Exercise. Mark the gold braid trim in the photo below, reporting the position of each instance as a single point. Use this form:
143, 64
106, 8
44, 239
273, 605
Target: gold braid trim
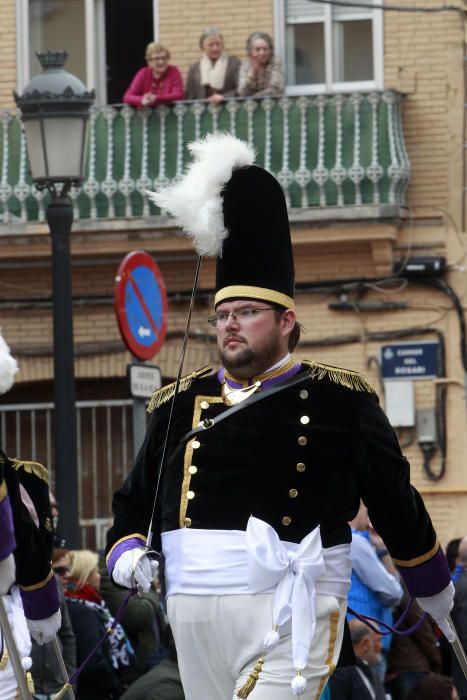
41, 584
416, 561
333, 623
346, 377
31, 468
250, 683
163, 395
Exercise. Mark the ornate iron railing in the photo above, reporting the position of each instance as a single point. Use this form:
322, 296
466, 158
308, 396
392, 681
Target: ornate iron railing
326, 150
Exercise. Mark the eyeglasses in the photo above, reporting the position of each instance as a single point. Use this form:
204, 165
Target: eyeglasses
246, 314
61, 570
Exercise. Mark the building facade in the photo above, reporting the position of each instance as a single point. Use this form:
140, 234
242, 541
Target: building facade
368, 144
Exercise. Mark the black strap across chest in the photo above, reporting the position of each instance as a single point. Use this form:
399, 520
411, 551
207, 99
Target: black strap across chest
254, 398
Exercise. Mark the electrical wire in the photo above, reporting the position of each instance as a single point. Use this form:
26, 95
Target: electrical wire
443, 286
380, 286
393, 8
409, 245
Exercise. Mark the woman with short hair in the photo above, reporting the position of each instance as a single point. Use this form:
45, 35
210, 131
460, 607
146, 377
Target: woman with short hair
157, 83
215, 76
262, 74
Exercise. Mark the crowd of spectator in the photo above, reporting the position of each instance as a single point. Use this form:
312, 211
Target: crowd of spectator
397, 666
138, 661
213, 78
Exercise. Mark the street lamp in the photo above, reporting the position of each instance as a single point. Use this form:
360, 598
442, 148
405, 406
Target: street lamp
55, 111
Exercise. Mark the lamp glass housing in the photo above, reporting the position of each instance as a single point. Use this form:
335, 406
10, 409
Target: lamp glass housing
56, 146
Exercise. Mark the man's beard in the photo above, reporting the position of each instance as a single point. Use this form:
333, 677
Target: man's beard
252, 361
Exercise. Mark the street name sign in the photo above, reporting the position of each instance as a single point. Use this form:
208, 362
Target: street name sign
418, 360
143, 380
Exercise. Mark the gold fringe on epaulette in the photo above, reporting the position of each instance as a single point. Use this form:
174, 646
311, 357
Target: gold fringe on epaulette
250, 683
160, 396
346, 377
31, 468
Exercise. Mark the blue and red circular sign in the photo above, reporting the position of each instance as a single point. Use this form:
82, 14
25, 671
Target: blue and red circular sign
141, 304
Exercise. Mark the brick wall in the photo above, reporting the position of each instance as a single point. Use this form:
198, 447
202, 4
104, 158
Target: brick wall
182, 22
423, 57
7, 53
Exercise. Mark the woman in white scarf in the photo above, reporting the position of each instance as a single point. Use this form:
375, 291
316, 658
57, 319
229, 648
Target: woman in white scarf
215, 76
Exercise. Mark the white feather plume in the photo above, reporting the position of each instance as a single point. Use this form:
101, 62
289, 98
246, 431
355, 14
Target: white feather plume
195, 201
8, 367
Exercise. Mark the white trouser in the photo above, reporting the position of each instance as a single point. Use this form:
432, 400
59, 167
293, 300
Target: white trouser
219, 640
237, 598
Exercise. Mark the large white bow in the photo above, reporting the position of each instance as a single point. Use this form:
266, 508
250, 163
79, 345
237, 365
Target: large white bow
294, 574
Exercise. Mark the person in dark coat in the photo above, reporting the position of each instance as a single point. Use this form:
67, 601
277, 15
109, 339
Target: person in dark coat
162, 682
459, 617
360, 681
413, 657
215, 76
100, 678
144, 620
434, 687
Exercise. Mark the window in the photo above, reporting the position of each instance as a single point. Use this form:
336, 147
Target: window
105, 39
330, 47
56, 25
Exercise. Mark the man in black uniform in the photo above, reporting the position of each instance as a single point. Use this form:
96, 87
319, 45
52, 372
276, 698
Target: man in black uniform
266, 462
23, 545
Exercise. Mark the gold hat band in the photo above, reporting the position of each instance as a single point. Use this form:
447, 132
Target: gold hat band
242, 291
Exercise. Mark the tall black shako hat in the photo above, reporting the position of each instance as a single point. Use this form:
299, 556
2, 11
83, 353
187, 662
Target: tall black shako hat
257, 261
236, 211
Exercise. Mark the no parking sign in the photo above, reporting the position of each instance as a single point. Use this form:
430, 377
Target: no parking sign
141, 304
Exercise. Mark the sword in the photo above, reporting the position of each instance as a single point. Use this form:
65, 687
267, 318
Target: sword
457, 648
13, 653
67, 688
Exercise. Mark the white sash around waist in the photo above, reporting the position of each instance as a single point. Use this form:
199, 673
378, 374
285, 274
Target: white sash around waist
232, 562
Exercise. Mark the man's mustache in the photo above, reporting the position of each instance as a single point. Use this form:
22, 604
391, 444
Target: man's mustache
233, 336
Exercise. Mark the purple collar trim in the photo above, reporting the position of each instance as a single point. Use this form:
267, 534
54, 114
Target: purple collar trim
266, 382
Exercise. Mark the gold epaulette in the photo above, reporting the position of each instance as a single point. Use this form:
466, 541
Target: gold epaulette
346, 377
31, 468
160, 396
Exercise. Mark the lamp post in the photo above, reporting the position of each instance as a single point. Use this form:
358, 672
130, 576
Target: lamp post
55, 111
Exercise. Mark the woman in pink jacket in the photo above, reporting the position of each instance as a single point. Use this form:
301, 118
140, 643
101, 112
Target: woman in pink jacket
157, 83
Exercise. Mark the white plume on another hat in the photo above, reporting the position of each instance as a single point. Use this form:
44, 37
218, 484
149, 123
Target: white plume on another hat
195, 201
8, 367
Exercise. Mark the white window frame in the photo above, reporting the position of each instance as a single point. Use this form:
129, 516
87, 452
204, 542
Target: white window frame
94, 17
329, 86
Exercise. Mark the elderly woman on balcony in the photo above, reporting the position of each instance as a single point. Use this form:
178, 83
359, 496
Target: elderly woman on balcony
215, 76
157, 83
261, 75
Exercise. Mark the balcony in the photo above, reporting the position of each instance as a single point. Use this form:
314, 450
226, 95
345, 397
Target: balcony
331, 153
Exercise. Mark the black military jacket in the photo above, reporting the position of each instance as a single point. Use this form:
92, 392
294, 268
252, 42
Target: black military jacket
300, 458
33, 550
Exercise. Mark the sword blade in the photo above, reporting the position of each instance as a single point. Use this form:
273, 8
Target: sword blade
458, 649
61, 663
14, 655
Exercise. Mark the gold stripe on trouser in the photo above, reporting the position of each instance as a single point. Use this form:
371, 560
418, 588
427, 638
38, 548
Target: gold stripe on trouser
330, 663
219, 640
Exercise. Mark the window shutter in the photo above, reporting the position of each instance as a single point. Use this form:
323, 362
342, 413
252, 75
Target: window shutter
341, 12
303, 11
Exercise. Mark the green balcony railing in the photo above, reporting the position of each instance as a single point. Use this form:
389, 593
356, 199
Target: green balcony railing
326, 150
